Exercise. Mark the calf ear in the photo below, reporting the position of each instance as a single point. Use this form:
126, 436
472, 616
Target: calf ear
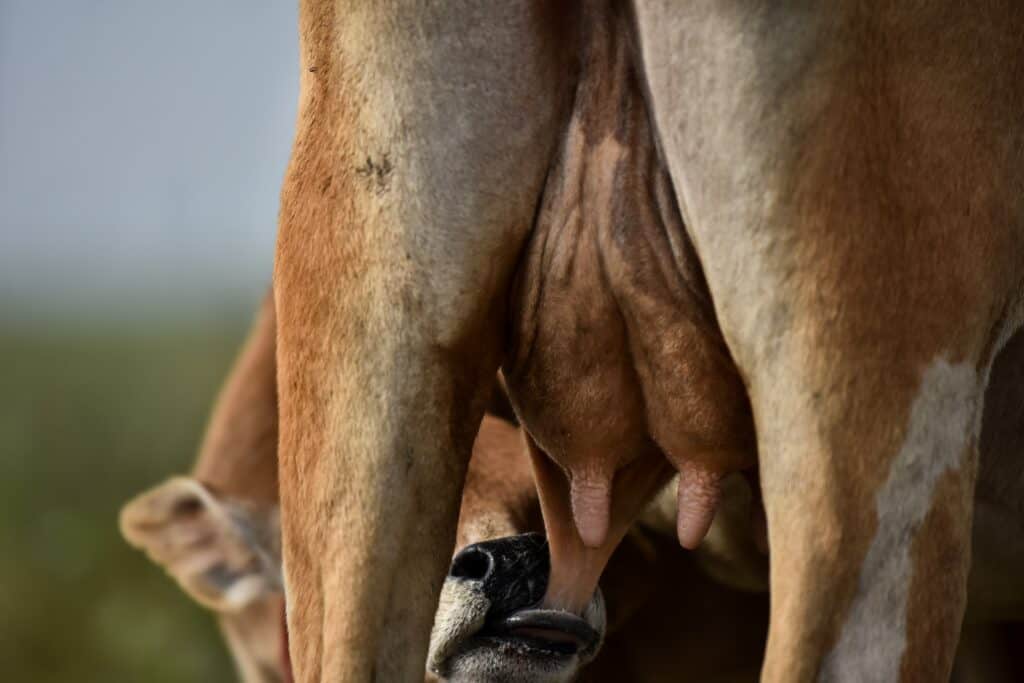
225, 554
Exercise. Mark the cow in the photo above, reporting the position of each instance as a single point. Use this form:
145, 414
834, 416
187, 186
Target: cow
709, 237
216, 531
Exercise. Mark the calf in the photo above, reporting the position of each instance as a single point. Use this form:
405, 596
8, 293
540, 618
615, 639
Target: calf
217, 533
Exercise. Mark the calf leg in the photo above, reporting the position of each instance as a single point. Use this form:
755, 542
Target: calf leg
423, 137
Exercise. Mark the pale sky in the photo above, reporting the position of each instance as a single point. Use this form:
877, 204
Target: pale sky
142, 146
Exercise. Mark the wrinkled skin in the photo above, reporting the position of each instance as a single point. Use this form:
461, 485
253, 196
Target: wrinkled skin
638, 382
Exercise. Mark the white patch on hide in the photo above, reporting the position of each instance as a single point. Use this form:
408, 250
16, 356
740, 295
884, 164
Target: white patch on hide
944, 420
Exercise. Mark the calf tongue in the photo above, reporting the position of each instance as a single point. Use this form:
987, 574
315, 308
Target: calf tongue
698, 494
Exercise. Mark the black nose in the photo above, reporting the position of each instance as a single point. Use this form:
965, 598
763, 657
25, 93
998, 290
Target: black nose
513, 571
473, 562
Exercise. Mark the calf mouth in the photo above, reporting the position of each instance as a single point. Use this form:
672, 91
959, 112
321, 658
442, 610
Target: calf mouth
549, 633
490, 626
529, 645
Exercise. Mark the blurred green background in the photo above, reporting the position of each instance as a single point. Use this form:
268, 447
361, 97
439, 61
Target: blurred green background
142, 147
90, 416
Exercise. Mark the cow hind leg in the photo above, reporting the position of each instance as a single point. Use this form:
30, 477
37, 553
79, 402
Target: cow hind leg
862, 287
868, 482
423, 137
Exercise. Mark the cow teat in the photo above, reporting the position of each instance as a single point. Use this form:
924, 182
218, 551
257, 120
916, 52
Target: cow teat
697, 497
591, 497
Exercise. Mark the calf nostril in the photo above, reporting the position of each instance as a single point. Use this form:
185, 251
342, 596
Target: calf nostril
472, 563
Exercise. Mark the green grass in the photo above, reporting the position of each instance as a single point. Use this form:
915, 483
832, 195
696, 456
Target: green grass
88, 418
